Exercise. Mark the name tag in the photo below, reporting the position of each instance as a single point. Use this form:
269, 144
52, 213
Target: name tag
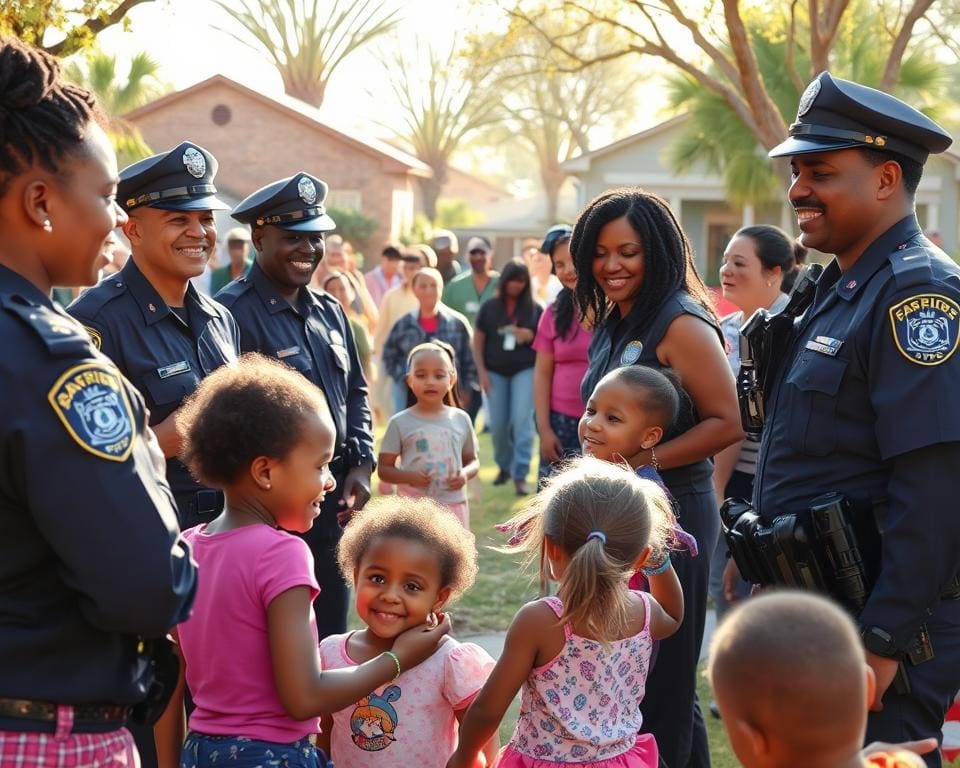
472, 306
825, 345
173, 369
282, 353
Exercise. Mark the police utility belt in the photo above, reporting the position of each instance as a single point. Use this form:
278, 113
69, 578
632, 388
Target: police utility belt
832, 547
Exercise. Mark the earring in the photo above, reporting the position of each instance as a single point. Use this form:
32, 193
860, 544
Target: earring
267, 486
47, 225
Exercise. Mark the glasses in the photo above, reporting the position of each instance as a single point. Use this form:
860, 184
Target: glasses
478, 250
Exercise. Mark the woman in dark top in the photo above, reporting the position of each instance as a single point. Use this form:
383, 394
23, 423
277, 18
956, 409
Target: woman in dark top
635, 272
503, 334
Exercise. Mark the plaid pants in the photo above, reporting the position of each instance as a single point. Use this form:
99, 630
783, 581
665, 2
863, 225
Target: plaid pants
63, 749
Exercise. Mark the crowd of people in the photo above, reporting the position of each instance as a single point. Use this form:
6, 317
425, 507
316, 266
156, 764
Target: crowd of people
185, 478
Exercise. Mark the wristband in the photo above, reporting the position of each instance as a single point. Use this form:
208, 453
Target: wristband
396, 660
657, 570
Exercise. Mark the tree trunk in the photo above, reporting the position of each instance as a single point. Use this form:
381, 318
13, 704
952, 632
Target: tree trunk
552, 178
431, 192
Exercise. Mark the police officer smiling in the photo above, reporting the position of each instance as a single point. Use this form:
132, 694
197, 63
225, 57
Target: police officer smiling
866, 405
159, 330
280, 316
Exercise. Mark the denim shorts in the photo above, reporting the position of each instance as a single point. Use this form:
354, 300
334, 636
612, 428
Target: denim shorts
201, 751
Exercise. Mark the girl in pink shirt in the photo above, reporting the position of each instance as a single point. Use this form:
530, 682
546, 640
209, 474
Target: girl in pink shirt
406, 558
262, 433
582, 657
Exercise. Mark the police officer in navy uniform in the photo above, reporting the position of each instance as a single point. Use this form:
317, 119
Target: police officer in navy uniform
91, 561
161, 332
866, 404
279, 315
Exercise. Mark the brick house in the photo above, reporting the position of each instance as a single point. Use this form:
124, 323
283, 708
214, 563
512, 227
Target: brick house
258, 139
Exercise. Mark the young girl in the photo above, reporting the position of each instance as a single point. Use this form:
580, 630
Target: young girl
250, 647
433, 439
582, 656
406, 558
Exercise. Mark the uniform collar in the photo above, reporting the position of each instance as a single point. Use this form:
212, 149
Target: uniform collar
876, 255
14, 283
272, 299
151, 305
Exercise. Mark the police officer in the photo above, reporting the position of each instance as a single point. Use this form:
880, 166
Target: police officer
280, 316
91, 562
867, 401
161, 332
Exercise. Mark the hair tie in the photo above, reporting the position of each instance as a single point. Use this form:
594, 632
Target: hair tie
598, 535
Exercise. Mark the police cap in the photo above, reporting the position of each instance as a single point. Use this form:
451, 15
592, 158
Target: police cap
838, 114
555, 234
294, 203
178, 180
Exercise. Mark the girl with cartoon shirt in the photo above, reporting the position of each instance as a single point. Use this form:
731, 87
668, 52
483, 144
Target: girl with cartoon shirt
406, 558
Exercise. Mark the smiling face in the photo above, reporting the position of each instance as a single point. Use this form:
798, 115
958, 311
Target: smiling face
397, 585
431, 376
835, 195
743, 278
288, 258
301, 479
480, 260
563, 265
171, 245
619, 263
615, 423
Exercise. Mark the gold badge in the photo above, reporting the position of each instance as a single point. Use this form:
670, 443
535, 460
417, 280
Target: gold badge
91, 402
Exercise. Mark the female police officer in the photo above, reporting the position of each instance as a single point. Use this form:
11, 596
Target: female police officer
90, 558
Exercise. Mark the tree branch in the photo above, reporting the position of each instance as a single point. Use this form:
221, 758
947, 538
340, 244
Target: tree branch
92, 27
895, 60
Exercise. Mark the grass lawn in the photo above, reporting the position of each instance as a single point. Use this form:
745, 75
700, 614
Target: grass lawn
501, 588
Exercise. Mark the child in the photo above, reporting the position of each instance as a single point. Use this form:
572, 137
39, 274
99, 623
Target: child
405, 558
792, 684
263, 433
433, 439
582, 656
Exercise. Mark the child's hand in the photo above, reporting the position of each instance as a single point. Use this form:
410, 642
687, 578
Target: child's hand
457, 481
419, 479
419, 643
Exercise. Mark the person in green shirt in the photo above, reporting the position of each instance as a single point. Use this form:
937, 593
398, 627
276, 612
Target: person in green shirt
238, 249
468, 290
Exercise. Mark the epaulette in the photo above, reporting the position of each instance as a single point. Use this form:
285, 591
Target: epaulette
62, 336
92, 300
227, 295
911, 266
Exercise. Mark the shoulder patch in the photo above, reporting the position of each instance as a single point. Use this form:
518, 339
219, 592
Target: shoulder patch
925, 328
95, 336
91, 402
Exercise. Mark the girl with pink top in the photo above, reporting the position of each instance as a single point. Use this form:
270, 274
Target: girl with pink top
582, 657
406, 558
562, 340
250, 647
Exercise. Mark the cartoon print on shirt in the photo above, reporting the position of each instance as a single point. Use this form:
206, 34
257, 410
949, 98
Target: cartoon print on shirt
374, 720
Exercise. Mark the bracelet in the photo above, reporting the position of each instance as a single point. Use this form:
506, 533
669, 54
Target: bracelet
657, 570
654, 461
396, 660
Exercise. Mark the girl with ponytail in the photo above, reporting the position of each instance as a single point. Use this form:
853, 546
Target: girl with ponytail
582, 657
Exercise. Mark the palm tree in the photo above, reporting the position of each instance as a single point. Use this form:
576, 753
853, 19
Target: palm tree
717, 138
97, 71
307, 42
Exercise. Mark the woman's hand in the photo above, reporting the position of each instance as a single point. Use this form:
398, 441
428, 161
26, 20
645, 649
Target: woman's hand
523, 335
485, 384
420, 643
551, 448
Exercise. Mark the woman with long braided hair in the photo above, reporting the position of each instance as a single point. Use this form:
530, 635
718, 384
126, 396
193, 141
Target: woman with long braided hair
92, 567
636, 275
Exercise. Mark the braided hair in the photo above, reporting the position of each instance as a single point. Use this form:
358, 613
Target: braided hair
668, 256
42, 117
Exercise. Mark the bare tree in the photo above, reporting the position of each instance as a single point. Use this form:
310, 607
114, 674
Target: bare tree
308, 39
443, 98
31, 19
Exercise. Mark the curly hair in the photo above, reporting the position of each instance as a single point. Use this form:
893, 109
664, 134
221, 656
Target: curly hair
42, 117
241, 411
421, 519
592, 495
667, 254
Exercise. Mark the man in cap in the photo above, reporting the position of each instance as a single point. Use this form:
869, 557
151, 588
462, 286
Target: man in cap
281, 316
447, 247
866, 402
240, 259
160, 331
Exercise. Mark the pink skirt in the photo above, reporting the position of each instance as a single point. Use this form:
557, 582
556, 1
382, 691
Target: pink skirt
462, 512
643, 754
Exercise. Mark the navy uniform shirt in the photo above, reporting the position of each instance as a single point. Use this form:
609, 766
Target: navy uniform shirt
868, 406
315, 338
162, 355
90, 554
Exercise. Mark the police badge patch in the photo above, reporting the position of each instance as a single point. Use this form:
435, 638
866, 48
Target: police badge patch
92, 404
925, 328
195, 163
95, 336
631, 353
808, 97
307, 190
